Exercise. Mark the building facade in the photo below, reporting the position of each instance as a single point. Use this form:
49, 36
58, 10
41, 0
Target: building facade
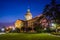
31, 23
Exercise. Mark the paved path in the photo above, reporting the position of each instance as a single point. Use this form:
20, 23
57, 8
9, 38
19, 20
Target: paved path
53, 35
2, 33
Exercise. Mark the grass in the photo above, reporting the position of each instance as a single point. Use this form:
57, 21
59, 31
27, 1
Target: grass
27, 36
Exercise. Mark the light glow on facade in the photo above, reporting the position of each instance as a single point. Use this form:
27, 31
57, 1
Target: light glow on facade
18, 24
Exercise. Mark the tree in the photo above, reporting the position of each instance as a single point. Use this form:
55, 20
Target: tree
38, 28
52, 12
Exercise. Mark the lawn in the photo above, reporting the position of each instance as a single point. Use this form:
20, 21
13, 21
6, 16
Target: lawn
28, 36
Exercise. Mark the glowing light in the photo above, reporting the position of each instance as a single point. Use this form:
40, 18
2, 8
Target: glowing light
2, 29
53, 24
13, 28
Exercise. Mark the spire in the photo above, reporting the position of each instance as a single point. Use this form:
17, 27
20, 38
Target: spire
28, 10
28, 6
28, 15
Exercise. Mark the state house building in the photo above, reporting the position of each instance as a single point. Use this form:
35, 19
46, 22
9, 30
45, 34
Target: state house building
30, 22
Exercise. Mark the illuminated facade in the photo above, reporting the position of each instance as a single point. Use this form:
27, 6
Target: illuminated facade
18, 24
30, 22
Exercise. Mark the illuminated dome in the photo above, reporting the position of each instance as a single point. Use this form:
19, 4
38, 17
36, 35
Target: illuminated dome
28, 15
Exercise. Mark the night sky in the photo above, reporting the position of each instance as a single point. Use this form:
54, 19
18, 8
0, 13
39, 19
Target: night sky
11, 10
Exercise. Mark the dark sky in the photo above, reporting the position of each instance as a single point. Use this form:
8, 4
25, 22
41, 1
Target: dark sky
11, 10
